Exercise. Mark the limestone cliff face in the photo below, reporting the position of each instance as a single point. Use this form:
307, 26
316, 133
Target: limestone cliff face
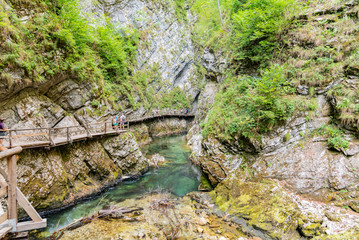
258, 180
58, 177
303, 161
61, 175
165, 40
164, 44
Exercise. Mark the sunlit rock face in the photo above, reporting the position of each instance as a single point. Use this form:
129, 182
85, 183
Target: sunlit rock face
165, 38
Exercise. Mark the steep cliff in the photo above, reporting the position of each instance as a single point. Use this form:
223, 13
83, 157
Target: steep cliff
140, 57
68, 63
285, 109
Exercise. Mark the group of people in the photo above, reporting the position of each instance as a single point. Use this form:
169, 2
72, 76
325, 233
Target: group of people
115, 121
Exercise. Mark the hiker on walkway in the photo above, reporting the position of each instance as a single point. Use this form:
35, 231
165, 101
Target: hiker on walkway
187, 110
2, 130
114, 122
122, 121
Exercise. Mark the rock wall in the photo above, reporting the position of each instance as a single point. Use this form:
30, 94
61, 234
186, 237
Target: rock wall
144, 132
271, 182
165, 41
58, 177
84, 168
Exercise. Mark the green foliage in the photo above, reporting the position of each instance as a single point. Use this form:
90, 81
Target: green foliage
175, 98
256, 26
251, 28
180, 10
95, 103
60, 39
336, 139
247, 106
287, 137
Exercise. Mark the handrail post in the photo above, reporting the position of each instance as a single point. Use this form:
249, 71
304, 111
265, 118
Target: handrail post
105, 127
68, 134
10, 138
50, 139
88, 131
128, 125
12, 207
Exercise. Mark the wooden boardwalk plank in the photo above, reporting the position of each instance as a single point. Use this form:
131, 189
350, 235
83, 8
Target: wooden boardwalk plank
4, 231
30, 225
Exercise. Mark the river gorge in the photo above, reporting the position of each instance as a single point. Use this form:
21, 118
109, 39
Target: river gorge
244, 117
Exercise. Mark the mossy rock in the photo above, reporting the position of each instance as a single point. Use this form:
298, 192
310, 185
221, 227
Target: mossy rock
263, 202
205, 184
309, 229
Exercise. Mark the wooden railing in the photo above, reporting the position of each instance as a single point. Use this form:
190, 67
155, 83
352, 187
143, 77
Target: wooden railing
50, 137
8, 220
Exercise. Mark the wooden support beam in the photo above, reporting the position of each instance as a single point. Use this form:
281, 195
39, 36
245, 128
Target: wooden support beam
10, 138
10, 152
68, 134
4, 174
26, 205
3, 217
3, 191
30, 225
12, 207
50, 138
4, 231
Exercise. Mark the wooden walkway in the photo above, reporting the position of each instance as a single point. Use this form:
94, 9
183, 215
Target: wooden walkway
8, 186
58, 136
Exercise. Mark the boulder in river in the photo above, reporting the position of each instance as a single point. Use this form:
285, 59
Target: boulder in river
156, 160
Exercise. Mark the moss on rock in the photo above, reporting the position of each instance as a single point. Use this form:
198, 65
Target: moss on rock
263, 203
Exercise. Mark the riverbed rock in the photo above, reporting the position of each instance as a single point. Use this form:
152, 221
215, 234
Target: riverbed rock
159, 221
262, 203
156, 160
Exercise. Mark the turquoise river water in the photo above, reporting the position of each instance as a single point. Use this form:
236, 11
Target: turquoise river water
179, 177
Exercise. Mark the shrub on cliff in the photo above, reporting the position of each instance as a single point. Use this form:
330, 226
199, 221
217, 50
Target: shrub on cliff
248, 106
250, 29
